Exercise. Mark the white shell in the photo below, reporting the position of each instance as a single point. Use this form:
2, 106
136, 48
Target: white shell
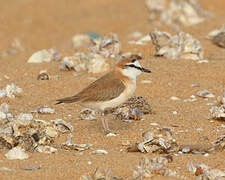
16, 153
45, 55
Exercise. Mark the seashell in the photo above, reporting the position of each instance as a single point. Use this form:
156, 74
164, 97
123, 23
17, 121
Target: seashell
219, 39
81, 41
99, 151
93, 63
205, 94
70, 145
182, 45
46, 149
44, 110
43, 76
62, 126
218, 112
24, 119
10, 91
107, 46
205, 171
16, 153
51, 132
45, 55
215, 32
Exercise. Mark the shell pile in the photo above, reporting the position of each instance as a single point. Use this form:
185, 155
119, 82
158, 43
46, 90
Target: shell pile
176, 12
158, 166
182, 46
218, 37
93, 63
107, 46
218, 112
135, 107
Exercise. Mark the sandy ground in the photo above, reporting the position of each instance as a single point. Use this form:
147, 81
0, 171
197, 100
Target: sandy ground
45, 24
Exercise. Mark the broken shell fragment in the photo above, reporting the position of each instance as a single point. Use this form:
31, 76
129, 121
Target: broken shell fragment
51, 132
134, 109
99, 151
87, 114
16, 153
43, 76
149, 168
182, 45
81, 41
45, 55
44, 110
62, 126
93, 63
204, 171
107, 46
205, 94
101, 174
218, 37
46, 149
219, 40
70, 145
10, 91
157, 141
218, 112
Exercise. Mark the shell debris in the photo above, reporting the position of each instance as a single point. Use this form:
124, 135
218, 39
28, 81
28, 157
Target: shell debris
45, 55
107, 46
11, 90
93, 63
101, 174
218, 36
81, 41
203, 171
180, 46
134, 109
70, 145
218, 112
149, 168
176, 12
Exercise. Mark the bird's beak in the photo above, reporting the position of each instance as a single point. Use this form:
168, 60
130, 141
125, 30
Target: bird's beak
145, 70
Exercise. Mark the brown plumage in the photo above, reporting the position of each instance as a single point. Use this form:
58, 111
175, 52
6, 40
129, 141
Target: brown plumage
104, 89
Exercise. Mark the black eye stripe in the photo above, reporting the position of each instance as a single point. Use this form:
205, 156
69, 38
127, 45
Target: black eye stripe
132, 65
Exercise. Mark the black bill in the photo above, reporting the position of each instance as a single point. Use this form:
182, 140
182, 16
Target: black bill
145, 70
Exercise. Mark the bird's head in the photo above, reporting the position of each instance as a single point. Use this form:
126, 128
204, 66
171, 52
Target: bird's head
131, 67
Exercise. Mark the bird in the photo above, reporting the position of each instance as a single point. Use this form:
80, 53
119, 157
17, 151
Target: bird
110, 90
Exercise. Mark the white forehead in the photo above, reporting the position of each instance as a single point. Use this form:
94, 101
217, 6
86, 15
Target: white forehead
136, 63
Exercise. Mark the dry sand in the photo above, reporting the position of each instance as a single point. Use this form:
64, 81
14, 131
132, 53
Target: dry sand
45, 24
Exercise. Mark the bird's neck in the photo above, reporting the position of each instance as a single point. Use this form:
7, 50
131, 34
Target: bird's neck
126, 76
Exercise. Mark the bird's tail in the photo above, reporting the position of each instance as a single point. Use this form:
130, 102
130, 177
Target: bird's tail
68, 100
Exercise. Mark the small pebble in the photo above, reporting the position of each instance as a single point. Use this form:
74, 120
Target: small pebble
154, 124
174, 112
111, 134
202, 61
125, 142
195, 85
146, 81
